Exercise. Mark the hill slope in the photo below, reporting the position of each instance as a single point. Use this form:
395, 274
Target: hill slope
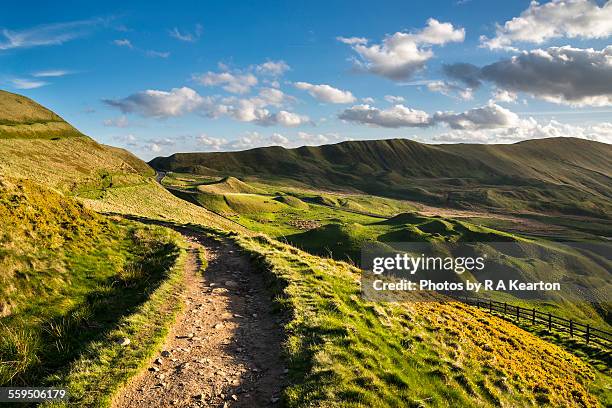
562, 174
22, 117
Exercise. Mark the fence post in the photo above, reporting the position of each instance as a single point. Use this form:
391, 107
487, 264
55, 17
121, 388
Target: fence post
587, 334
533, 316
549, 322
571, 328
505, 308
518, 312
490, 306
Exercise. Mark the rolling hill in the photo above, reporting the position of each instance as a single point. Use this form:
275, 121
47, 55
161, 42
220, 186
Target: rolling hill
77, 283
564, 175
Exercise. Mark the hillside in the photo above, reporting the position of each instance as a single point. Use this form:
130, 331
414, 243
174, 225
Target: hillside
565, 175
21, 117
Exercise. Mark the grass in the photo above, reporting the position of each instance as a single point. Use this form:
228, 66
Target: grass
150, 200
76, 165
510, 178
21, 117
345, 351
72, 283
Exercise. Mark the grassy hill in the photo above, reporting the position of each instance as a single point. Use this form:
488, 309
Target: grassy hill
21, 117
564, 175
73, 282
68, 279
346, 351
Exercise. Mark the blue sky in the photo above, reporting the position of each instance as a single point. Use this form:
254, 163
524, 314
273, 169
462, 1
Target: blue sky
205, 76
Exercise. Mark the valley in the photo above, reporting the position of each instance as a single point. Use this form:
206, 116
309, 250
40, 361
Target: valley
108, 263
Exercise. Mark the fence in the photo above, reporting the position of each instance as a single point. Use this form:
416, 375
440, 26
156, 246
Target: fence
575, 329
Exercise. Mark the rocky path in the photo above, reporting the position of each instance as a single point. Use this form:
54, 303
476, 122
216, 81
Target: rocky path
224, 349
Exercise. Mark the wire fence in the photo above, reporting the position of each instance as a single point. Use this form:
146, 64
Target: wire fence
589, 334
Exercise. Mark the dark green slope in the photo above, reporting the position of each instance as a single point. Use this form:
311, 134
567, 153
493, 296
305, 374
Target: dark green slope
565, 175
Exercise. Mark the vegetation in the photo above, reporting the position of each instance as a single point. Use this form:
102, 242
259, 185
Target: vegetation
21, 117
76, 284
564, 175
345, 351
70, 278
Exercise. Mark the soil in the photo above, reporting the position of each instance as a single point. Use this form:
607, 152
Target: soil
225, 347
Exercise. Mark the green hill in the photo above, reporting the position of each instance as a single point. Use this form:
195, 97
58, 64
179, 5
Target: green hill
21, 117
564, 175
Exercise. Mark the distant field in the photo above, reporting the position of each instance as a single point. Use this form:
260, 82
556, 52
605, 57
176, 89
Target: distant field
571, 177
338, 225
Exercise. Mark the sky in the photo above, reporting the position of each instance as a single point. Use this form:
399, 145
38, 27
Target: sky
165, 77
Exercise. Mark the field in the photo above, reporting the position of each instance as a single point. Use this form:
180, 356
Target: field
70, 277
80, 274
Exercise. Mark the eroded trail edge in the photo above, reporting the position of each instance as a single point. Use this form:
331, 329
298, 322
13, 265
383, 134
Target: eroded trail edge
225, 348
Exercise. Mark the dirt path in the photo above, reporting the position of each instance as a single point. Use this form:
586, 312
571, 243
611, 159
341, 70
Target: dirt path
224, 349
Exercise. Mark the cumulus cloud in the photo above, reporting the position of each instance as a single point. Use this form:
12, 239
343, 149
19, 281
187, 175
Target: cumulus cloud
279, 139
394, 99
273, 68
528, 129
555, 19
161, 104
450, 89
326, 93
402, 54
394, 117
502, 95
120, 122
187, 36
566, 75
213, 143
484, 117
234, 83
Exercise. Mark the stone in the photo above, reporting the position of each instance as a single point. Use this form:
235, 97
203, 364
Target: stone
124, 341
159, 360
165, 353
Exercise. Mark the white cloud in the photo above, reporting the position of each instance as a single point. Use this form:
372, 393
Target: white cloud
566, 75
484, 117
352, 40
234, 83
157, 54
185, 35
120, 122
47, 34
273, 68
214, 143
394, 117
283, 118
123, 43
450, 89
502, 95
279, 139
528, 129
20, 83
326, 93
555, 19
394, 99
161, 104
52, 73
402, 54
369, 100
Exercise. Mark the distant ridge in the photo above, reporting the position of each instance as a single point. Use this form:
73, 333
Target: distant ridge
567, 175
